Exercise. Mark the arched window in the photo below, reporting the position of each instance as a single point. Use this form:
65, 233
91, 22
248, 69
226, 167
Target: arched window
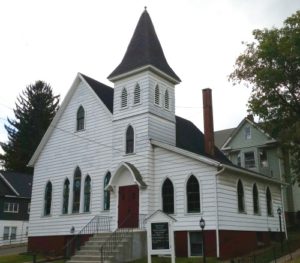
124, 98
167, 104
240, 195
76, 190
157, 95
66, 192
269, 202
106, 204
87, 194
129, 139
137, 94
255, 199
80, 119
48, 199
168, 197
193, 195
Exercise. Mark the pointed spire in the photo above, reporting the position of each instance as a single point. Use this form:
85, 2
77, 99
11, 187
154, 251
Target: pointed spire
144, 49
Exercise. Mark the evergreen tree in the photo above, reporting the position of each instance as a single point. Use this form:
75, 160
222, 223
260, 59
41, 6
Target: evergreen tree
34, 110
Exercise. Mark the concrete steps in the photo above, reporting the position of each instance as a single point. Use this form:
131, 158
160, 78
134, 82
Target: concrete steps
90, 251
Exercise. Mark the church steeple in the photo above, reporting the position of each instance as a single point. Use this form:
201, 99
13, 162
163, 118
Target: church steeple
144, 51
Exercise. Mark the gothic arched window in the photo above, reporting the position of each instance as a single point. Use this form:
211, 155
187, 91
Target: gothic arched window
193, 195
76, 190
66, 192
48, 199
269, 202
87, 194
255, 199
80, 119
168, 197
106, 192
240, 195
129, 140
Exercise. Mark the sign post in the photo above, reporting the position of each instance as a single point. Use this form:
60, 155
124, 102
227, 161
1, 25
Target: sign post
160, 235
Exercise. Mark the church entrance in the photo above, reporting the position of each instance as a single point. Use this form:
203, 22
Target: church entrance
128, 206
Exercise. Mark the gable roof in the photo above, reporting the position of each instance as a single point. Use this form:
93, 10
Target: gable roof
20, 183
238, 128
221, 136
144, 49
104, 92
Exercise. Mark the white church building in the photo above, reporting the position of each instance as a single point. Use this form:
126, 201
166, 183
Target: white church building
121, 153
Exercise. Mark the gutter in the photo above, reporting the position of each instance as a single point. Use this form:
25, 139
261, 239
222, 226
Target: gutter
250, 173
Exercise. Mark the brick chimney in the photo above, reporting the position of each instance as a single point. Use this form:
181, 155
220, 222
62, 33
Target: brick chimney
209, 141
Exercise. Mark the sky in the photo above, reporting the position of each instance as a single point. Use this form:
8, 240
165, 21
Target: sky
53, 40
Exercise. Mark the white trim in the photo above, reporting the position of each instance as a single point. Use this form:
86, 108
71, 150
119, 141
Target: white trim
186, 197
161, 193
125, 140
9, 185
143, 68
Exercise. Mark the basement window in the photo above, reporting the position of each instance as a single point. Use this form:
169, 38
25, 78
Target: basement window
196, 245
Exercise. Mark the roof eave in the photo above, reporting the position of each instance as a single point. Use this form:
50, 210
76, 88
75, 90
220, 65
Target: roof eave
141, 69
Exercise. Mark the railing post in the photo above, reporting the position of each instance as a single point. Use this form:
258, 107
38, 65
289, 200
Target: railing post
274, 254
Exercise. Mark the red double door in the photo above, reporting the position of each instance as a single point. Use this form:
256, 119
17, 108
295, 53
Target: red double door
128, 206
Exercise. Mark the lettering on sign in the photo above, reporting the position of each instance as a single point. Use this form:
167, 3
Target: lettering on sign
160, 235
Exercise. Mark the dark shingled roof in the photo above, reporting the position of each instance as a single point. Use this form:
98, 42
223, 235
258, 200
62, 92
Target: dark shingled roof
105, 93
188, 136
144, 49
22, 183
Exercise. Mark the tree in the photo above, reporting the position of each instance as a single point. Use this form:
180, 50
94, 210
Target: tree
34, 110
271, 67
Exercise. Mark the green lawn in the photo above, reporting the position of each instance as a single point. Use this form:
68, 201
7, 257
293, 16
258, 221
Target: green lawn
15, 258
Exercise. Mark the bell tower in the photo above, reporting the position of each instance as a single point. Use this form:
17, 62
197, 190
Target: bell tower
144, 87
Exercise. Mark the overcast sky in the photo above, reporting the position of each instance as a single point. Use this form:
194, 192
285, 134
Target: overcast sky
53, 40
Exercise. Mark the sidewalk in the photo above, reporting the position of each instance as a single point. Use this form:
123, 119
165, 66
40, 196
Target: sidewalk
13, 249
287, 258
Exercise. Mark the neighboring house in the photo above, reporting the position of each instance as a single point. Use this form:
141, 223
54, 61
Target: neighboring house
15, 195
249, 146
122, 153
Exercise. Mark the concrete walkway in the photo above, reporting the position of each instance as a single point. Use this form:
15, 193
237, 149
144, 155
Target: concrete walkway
287, 258
13, 249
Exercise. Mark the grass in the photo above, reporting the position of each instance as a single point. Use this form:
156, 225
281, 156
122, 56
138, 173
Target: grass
16, 258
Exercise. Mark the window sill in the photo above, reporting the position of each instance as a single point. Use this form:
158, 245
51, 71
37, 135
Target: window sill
46, 216
157, 105
257, 214
193, 213
128, 154
82, 130
242, 212
137, 104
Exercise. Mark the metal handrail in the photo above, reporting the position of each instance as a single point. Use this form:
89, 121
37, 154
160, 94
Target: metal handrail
95, 225
114, 240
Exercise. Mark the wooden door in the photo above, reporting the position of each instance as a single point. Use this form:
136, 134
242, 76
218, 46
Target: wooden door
128, 206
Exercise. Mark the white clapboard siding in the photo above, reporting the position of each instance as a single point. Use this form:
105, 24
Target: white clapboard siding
66, 148
178, 168
231, 219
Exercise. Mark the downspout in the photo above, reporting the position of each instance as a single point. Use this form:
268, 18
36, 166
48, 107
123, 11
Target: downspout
282, 199
217, 214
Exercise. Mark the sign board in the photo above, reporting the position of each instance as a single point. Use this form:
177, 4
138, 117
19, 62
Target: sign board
160, 235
